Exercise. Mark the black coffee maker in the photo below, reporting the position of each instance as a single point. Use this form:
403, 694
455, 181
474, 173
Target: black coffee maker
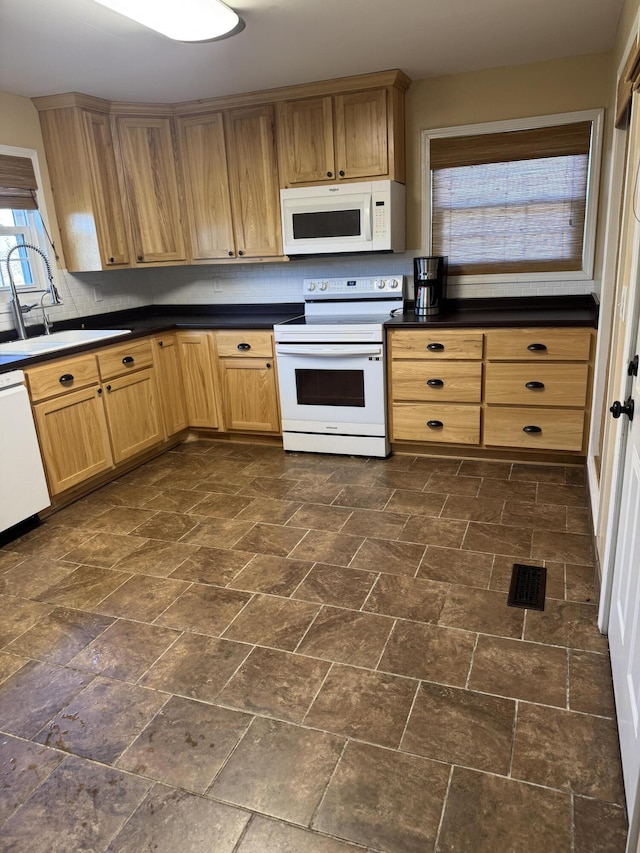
430, 283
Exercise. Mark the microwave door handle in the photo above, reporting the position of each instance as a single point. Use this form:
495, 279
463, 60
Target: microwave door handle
368, 222
330, 352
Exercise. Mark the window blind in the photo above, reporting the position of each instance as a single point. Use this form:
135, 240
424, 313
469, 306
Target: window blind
511, 202
17, 183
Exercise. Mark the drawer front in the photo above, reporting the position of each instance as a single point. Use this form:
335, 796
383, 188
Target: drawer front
445, 381
450, 423
125, 358
244, 344
427, 343
71, 374
519, 384
556, 429
538, 344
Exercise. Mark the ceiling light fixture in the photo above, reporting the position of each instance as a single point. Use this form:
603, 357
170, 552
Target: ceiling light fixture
182, 20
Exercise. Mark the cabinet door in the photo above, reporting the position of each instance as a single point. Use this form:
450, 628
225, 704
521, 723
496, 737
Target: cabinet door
362, 148
198, 374
132, 413
249, 395
255, 195
72, 430
151, 182
105, 191
172, 403
204, 167
305, 141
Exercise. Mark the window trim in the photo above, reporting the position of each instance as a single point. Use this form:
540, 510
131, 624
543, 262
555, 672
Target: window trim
596, 117
39, 280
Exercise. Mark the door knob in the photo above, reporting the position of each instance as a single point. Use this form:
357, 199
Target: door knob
618, 409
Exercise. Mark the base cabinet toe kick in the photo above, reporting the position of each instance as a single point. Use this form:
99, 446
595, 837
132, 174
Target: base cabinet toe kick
519, 389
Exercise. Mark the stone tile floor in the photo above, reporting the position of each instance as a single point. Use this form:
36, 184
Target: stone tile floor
237, 649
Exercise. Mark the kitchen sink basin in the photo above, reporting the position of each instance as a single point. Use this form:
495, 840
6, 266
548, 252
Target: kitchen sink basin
59, 340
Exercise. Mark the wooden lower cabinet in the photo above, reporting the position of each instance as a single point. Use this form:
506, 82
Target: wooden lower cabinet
133, 414
534, 429
442, 423
249, 395
166, 359
74, 438
197, 359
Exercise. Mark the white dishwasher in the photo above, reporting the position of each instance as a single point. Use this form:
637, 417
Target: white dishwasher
23, 488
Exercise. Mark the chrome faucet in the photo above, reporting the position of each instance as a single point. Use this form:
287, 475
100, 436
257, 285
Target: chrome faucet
19, 310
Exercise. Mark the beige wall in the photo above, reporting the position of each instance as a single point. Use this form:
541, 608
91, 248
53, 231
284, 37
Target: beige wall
543, 88
20, 127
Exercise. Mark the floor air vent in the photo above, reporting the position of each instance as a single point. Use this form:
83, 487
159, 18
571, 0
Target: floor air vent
528, 584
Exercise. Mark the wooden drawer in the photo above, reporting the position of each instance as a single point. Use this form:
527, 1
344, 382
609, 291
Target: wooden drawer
563, 384
560, 429
125, 358
461, 381
548, 344
239, 344
431, 343
460, 424
69, 374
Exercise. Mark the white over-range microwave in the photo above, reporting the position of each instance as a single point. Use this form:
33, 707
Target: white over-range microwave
367, 216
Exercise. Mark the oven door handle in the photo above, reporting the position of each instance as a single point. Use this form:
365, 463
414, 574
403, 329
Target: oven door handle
353, 351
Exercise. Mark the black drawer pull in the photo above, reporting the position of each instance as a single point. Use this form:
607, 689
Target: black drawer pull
535, 386
66, 377
531, 429
435, 424
244, 346
128, 359
230, 254
240, 252
268, 365
537, 347
111, 261
435, 347
435, 383
160, 343
108, 387
99, 391
140, 258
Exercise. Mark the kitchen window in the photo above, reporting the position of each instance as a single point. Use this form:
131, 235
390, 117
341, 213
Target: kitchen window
514, 200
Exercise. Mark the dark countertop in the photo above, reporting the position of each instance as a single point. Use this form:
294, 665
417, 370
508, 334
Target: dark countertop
459, 313
512, 312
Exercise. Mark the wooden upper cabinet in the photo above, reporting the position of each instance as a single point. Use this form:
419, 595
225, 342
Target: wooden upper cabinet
151, 184
253, 173
204, 166
305, 140
84, 181
362, 134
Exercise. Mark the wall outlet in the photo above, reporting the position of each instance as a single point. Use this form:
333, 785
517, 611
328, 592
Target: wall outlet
217, 287
97, 293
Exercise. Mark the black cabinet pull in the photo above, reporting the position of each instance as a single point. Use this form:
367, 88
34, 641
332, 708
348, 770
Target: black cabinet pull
534, 386
531, 429
435, 347
244, 346
268, 365
329, 174
240, 252
435, 383
230, 254
341, 173
128, 359
435, 424
537, 347
99, 391
111, 260
140, 257
160, 344
66, 377
108, 387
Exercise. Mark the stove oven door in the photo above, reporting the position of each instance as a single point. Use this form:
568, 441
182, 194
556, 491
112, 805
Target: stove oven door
332, 388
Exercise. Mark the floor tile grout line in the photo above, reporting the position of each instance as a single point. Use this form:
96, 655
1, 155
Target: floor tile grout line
347, 741
317, 693
406, 722
386, 643
471, 662
444, 806
514, 732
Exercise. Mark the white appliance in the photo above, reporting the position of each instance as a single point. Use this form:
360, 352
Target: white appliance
331, 367
23, 488
367, 216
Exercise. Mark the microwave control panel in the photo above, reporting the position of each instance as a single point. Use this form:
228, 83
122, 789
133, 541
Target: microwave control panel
379, 218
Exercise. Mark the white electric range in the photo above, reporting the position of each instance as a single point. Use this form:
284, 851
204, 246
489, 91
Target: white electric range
331, 366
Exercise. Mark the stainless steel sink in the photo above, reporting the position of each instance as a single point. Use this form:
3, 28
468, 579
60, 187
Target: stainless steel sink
59, 340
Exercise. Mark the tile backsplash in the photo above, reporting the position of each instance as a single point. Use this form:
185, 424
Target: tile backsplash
94, 293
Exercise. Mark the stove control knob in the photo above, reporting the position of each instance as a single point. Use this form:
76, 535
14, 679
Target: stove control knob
312, 285
324, 285
394, 282
381, 284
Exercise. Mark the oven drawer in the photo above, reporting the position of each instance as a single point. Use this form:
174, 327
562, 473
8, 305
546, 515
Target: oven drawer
545, 429
444, 382
434, 344
538, 344
244, 344
446, 423
537, 384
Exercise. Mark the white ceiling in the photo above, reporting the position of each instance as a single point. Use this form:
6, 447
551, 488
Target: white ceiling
51, 46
